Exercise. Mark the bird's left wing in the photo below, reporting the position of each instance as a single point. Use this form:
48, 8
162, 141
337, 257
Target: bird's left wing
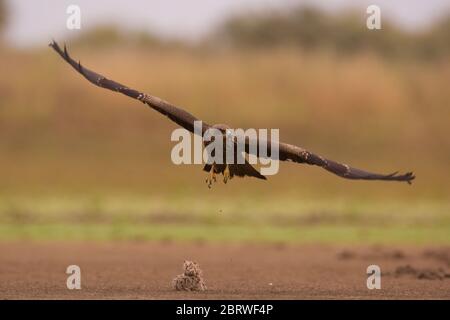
174, 113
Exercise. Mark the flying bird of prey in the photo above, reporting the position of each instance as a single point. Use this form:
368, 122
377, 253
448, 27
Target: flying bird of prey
287, 152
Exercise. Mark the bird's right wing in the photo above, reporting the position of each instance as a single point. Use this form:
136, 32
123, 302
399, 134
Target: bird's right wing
174, 113
289, 152
293, 153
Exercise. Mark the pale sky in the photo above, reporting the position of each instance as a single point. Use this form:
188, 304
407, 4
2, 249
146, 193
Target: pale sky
35, 22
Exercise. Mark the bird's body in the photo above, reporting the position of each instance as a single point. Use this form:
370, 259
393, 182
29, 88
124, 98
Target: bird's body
227, 168
287, 152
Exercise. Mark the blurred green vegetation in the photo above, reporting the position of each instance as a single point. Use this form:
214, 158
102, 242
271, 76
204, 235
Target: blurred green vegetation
311, 29
322, 234
305, 28
82, 162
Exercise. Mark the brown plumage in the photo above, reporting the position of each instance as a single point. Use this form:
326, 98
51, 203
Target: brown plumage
186, 120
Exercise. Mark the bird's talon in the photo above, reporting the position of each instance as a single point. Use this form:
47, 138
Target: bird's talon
226, 174
211, 178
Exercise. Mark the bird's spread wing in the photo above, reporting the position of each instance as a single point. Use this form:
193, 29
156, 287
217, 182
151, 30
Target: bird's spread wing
288, 152
178, 115
186, 120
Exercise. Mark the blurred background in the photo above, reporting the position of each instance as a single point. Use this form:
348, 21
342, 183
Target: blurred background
78, 162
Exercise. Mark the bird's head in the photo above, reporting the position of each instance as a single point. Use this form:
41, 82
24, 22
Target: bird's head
226, 130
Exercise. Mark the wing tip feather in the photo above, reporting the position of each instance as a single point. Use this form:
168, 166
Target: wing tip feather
408, 177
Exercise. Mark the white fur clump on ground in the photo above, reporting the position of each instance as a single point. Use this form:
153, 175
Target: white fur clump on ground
191, 279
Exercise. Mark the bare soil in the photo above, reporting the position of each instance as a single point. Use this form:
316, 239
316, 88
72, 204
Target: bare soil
141, 270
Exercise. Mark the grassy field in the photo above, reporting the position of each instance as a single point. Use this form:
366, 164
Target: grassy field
77, 162
323, 234
240, 220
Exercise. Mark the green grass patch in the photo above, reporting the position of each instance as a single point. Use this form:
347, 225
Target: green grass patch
279, 211
227, 233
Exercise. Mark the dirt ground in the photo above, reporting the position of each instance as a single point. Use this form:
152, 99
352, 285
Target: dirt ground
140, 270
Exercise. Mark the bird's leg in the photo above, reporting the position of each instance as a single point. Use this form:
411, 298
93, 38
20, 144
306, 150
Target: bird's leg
226, 174
211, 177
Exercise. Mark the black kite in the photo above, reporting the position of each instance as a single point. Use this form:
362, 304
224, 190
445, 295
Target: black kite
287, 152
